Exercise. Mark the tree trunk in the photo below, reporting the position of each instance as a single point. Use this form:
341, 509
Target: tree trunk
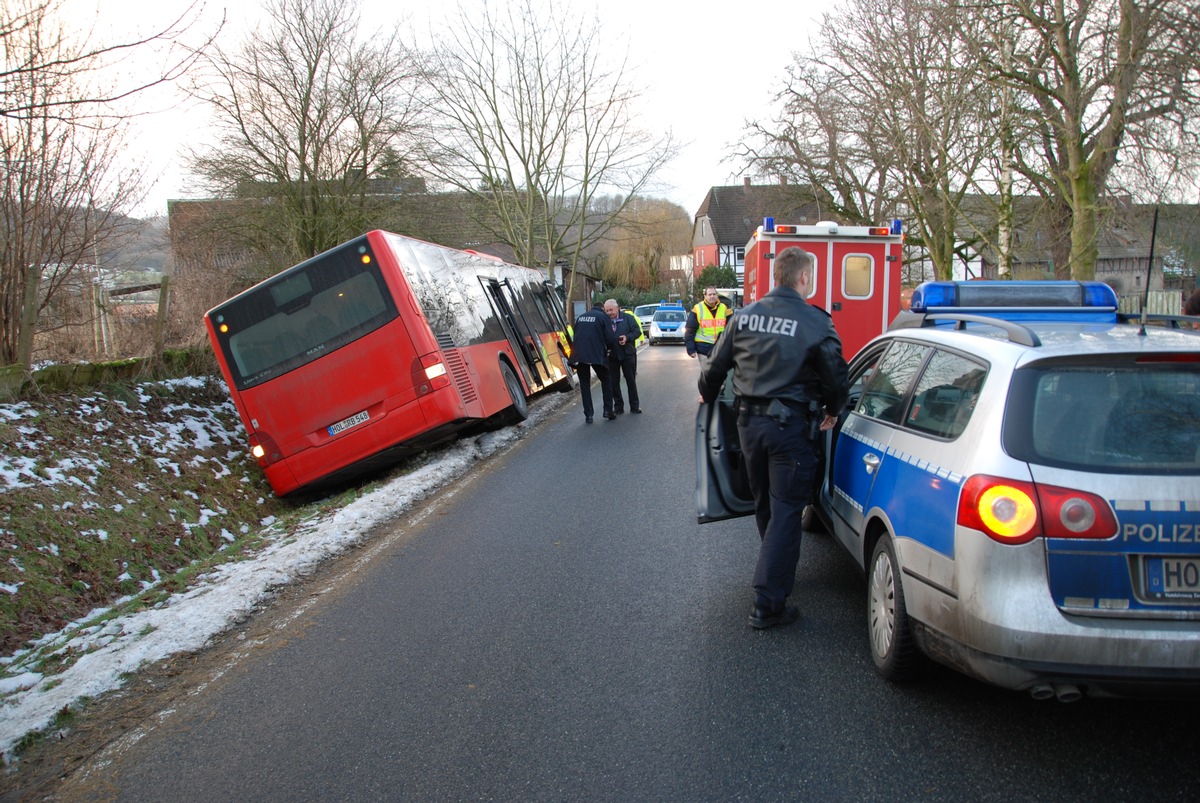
1085, 227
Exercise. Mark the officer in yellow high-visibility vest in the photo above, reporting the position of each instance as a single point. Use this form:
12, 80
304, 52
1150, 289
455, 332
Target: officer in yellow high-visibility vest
641, 337
704, 323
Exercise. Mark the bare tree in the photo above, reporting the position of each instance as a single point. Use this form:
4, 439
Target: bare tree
822, 139
535, 120
953, 100
313, 117
1098, 78
637, 251
61, 141
894, 127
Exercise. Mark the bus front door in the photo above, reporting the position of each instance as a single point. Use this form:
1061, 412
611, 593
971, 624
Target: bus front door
522, 335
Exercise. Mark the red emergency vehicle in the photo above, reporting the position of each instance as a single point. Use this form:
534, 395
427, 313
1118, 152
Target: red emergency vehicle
857, 279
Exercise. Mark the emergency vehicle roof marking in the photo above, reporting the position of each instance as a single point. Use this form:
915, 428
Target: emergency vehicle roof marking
924, 465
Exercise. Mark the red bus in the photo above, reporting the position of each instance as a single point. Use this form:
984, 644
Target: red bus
380, 348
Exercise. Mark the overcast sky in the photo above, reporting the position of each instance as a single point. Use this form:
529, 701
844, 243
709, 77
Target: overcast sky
704, 70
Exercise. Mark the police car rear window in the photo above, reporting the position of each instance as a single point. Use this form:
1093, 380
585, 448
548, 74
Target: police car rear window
1136, 416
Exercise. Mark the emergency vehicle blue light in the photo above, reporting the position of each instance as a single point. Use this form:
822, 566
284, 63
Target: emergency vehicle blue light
768, 224
897, 226
1099, 294
983, 295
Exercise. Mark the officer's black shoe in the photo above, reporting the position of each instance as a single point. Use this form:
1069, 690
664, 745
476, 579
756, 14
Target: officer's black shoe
619, 410
761, 618
635, 409
611, 416
588, 419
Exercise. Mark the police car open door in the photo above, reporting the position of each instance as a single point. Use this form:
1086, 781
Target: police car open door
722, 491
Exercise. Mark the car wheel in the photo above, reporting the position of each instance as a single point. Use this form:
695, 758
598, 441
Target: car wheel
520, 405
892, 646
810, 522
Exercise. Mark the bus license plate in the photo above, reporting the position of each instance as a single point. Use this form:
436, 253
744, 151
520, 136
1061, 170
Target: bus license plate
1173, 578
346, 423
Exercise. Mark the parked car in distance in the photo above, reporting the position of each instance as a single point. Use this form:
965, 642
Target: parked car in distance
666, 325
1018, 474
645, 314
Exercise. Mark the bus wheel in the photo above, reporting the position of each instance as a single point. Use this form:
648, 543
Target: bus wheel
520, 405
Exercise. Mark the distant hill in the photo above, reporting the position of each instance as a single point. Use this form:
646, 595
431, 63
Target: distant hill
141, 245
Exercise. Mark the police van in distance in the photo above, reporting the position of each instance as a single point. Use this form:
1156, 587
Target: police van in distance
1017, 472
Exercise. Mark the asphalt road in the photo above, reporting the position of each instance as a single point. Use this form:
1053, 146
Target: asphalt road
558, 627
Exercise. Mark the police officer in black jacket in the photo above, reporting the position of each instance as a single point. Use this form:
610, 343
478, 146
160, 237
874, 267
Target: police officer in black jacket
790, 380
592, 338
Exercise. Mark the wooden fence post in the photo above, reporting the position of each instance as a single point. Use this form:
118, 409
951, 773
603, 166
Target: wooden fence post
29, 311
160, 323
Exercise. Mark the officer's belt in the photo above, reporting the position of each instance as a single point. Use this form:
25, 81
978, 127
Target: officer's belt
760, 406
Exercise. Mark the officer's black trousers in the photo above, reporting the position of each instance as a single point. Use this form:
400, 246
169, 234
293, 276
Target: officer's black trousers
585, 387
627, 368
780, 461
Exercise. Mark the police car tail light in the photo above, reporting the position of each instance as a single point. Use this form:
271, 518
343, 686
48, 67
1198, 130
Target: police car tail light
1016, 512
1068, 513
1004, 510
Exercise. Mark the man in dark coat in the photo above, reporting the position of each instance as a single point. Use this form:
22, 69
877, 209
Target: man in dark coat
622, 360
593, 338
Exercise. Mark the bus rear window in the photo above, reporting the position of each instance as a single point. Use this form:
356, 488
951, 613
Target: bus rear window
302, 314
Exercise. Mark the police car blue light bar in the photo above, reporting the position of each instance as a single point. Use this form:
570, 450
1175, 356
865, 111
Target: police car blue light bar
994, 295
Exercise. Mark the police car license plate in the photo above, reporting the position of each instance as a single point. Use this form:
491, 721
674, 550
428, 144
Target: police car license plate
346, 423
1173, 578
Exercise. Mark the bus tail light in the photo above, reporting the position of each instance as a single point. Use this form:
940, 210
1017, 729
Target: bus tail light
430, 373
1016, 512
264, 450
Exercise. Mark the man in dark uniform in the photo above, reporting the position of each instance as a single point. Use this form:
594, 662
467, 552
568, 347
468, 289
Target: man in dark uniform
790, 379
593, 337
622, 360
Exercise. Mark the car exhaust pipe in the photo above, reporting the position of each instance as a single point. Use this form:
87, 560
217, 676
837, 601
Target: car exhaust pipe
1067, 692
1042, 691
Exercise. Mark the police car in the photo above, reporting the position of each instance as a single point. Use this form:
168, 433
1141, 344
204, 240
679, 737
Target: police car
666, 325
1018, 474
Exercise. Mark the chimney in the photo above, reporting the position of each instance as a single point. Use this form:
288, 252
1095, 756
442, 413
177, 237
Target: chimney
783, 181
746, 182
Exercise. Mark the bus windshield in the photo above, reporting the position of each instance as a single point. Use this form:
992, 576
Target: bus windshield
303, 314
